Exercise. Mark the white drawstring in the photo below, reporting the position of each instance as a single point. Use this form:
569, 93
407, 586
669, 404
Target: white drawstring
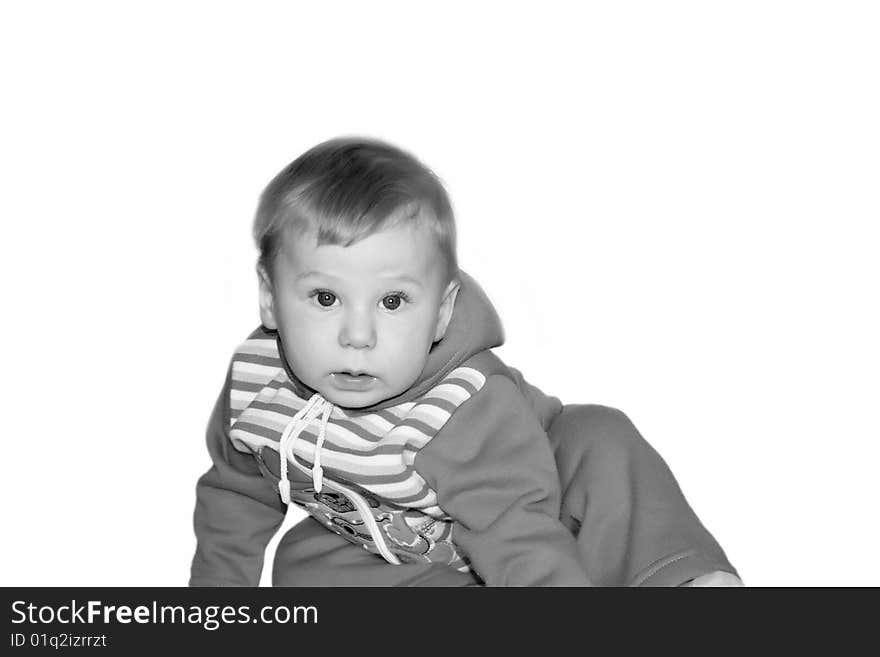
291, 432
317, 405
317, 470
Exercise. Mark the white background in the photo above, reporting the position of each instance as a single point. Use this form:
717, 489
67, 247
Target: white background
674, 207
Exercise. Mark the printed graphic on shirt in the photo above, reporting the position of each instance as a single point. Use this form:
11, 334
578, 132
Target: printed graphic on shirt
412, 536
370, 454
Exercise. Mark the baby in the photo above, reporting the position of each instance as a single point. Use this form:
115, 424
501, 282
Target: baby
370, 397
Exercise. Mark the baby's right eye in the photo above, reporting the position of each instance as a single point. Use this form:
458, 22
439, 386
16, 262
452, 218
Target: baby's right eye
325, 298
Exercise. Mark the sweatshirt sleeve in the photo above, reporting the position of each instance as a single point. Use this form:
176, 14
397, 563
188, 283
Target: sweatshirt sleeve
546, 407
237, 510
494, 474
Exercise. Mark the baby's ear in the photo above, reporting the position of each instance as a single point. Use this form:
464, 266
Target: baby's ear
444, 316
267, 299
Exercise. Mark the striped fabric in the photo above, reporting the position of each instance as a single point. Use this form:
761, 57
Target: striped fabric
374, 451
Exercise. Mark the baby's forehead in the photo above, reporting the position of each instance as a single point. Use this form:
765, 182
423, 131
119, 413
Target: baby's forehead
410, 252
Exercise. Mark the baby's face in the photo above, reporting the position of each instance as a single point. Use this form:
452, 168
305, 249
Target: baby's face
357, 322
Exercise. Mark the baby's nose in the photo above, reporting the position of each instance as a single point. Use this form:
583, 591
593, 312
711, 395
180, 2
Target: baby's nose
358, 331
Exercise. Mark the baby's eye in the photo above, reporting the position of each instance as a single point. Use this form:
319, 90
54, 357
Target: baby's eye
393, 301
325, 298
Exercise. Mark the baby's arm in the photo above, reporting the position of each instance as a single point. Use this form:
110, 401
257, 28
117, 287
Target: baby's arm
237, 511
546, 407
493, 470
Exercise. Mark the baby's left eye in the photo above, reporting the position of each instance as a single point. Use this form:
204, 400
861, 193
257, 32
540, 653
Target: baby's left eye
393, 301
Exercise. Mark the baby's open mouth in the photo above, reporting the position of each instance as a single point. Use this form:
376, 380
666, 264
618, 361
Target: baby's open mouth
348, 380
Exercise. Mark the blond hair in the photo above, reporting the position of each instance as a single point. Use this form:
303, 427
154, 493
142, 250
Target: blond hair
348, 188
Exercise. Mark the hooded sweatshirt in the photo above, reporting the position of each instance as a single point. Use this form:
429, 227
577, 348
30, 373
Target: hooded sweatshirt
457, 470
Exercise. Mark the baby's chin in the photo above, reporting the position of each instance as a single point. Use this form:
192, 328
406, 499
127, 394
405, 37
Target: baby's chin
353, 401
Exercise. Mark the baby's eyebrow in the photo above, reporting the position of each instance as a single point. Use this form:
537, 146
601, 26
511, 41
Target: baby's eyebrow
392, 277
310, 272
404, 278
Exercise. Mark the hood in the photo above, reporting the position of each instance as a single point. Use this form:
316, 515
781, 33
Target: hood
474, 327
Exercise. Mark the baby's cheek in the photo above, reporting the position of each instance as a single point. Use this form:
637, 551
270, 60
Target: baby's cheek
306, 353
412, 363
310, 337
